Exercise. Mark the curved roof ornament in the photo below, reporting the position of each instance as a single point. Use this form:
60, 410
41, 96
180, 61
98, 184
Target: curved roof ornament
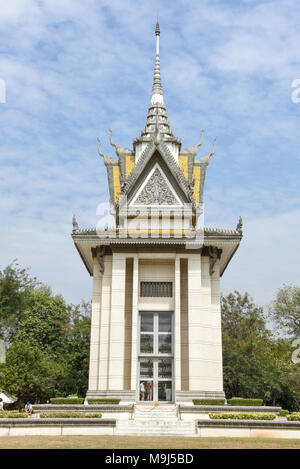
194, 149
120, 151
206, 159
239, 226
107, 159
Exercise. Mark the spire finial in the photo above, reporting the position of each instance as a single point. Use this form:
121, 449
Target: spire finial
157, 92
157, 30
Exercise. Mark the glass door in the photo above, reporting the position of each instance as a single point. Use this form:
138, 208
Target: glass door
155, 373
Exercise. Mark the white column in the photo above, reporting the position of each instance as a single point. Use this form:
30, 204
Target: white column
177, 331
134, 337
194, 322
215, 307
117, 323
104, 325
95, 327
205, 348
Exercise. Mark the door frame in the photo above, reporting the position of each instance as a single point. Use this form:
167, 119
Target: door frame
155, 357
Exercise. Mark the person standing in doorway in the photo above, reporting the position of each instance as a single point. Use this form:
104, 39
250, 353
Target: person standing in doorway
142, 391
149, 391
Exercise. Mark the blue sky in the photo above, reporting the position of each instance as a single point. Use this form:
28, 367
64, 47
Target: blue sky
74, 68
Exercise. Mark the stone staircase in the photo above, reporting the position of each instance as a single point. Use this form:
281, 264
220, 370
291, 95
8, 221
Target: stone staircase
154, 421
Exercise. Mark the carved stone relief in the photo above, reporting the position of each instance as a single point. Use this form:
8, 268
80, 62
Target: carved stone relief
156, 192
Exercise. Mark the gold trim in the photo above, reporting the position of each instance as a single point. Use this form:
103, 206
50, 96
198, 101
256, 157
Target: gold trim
130, 162
196, 177
116, 181
183, 165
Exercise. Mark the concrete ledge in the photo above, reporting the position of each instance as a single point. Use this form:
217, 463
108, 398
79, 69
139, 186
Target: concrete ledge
248, 423
205, 409
54, 427
248, 429
57, 421
127, 396
190, 395
82, 408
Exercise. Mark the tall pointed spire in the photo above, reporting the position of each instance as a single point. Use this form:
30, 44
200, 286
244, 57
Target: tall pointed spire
157, 92
157, 118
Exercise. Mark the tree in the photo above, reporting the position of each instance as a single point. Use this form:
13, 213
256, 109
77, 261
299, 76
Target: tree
254, 362
46, 321
285, 310
79, 347
48, 353
15, 288
30, 373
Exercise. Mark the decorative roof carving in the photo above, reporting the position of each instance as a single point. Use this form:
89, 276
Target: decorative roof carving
194, 149
214, 254
156, 192
206, 159
75, 225
170, 162
107, 159
120, 151
239, 226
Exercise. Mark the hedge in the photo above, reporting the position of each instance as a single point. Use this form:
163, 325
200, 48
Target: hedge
67, 400
104, 401
67, 415
12, 414
209, 401
242, 416
295, 416
245, 402
283, 413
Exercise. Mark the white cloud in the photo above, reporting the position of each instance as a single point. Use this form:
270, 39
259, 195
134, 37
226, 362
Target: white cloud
267, 258
73, 69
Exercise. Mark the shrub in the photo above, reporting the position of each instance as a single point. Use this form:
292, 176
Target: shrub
208, 401
294, 417
104, 401
283, 413
12, 414
245, 402
242, 416
69, 415
67, 400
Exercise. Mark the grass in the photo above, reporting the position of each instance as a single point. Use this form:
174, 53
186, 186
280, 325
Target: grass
133, 442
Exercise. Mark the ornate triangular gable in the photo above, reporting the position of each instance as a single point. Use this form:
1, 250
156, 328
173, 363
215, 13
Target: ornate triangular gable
158, 153
156, 190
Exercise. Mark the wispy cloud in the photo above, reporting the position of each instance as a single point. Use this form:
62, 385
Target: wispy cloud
73, 69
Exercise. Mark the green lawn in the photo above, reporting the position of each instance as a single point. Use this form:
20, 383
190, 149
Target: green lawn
133, 442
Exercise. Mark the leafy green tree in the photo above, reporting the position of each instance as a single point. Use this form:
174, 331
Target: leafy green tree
254, 362
79, 347
30, 373
15, 288
46, 321
48, 353
285, 311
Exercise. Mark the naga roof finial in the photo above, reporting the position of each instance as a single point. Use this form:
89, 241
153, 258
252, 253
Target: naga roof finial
239, 226
194, 149
206, 158
120, 151
75, 225
107, 159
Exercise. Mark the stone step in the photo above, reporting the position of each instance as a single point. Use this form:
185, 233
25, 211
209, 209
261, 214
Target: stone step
134, 427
